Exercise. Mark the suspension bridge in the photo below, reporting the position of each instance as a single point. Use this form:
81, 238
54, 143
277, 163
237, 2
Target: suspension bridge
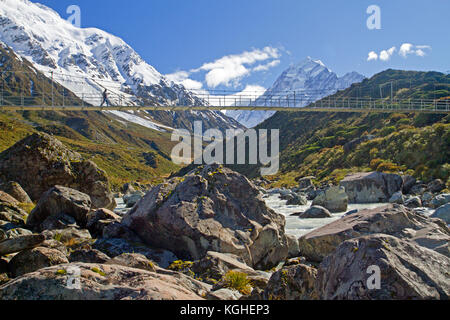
55, 97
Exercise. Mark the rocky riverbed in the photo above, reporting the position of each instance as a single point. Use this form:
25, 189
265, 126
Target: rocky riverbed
214, 234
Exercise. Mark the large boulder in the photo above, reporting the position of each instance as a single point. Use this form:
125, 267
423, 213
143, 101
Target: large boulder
133, 260
211, 209
20, 243
40, 162
11, 213
216, 265
443, 213
16, 191
306, 182
315, 212
292, 283
61, 200
102, 282
440, 200
372, 187
117, 247
334, 199
393, 220
407, 271
34, 259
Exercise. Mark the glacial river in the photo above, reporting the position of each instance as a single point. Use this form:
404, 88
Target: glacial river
294, 225
299, 227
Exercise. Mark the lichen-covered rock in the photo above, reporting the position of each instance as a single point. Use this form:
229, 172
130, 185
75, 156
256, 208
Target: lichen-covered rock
407, 271
373, 187
5, 197
440, 200
88, 256
215, 265
436, 186
13, 214
292, 283
61, 200
116, 247
133, 260
334, 199
393, 220
34, 259
102, 282
397, 198
16, 191
20, 243
40, 162
223, 294
212, 209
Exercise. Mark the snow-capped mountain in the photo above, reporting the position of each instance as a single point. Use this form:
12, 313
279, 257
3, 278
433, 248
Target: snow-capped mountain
88, 60
310, 79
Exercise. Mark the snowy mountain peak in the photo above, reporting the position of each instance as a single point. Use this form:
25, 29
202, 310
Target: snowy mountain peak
310, 79
89, 60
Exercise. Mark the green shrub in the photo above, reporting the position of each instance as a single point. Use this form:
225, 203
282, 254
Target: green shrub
238, 281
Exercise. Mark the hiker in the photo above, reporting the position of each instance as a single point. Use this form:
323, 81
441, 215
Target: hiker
105, 98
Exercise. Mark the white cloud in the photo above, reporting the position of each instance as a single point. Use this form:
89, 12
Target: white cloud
372, 56
407, 49
265, 67
182, 77
231, 69
386, 55
244, 97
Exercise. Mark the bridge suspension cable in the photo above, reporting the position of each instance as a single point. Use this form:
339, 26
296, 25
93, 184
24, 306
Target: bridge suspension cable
49, 93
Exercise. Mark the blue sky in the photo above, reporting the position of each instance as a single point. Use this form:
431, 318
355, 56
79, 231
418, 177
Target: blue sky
266, 36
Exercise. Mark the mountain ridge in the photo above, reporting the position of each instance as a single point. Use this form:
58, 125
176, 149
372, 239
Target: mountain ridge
89, 60
310, 80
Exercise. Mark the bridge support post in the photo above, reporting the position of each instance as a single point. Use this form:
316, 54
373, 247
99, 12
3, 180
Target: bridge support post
53, 96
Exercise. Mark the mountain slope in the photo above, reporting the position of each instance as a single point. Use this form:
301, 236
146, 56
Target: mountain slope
310, 79
329, 145
126, 150
88, 60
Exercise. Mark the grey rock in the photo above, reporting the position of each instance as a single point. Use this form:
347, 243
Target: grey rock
40, 162
88, 256
408, 183
20, 243
397, 198
373, 187
292, 283
224, 295
103, 282
413, 202
16, 191
213, 209
436, 186
61, 200
116, 247
443, 213
316, 212
133, 260
394, 220
334, 199
440, 200
408, 271
34, 259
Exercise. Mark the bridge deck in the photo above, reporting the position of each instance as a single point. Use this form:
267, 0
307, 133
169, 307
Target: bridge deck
222, 108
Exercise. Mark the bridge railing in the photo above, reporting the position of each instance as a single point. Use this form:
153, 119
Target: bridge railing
46, 93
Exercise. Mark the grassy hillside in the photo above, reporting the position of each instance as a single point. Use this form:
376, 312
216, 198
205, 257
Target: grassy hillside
126, 151
419, 144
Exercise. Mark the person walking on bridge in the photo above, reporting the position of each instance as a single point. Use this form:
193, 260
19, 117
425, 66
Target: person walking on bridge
105, 99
